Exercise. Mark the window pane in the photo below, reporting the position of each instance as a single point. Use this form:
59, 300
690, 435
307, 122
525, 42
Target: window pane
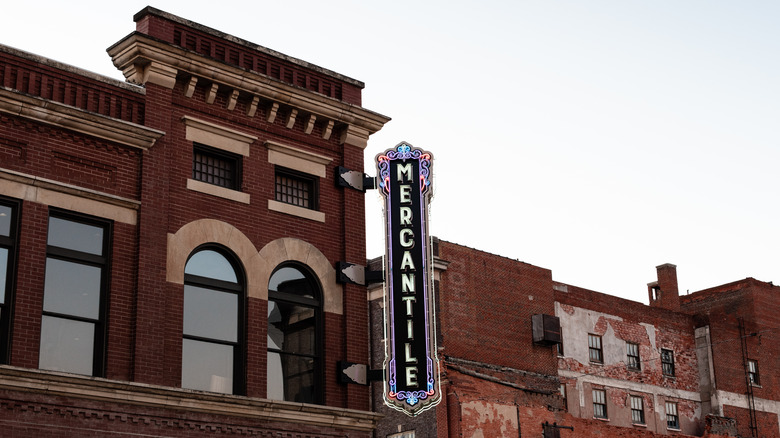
5, 220
207, 366
72, 289
211, 264
210, 313
74, 235
291, 378
291, 328
66, 345
292, 281
3, 273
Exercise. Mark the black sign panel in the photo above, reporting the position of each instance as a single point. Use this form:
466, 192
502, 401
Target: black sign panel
411, 366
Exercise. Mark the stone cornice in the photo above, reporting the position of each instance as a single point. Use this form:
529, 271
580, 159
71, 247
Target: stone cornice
64, 116
160, 397
138, 53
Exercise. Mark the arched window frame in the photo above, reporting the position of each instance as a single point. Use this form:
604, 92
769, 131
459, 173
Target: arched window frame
240, 289
315, 303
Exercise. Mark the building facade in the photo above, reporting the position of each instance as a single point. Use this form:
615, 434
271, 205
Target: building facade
524, 355
168, 244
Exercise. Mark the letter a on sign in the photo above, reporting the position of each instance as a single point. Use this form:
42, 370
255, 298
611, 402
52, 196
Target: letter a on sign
411, 367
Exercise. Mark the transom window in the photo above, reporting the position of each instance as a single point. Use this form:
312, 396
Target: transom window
217, 167
294, 318
637, 410
599, 403
632, 356
595, 353
212, 353
753, 372
672, 419
667, 362
8, 226
74, 295
296, 188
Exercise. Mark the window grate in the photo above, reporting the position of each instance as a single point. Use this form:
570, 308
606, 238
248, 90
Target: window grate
214, 167
296, 189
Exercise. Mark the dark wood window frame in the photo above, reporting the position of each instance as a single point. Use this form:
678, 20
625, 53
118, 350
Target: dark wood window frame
305, 192
239, 352
104, 262
595, 348
9, 243
215, 166
633, 361
667, 362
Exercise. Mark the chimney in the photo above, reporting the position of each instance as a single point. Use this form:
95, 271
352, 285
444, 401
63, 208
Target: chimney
663, 293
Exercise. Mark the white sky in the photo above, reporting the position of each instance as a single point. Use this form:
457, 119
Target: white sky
595, 138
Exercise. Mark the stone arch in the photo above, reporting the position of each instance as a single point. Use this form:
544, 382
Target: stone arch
199, 232
289, 249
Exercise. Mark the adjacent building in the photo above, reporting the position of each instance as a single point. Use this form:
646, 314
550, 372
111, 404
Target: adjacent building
168, 244
524, 355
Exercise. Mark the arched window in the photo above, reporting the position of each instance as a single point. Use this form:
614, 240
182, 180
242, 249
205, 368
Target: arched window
214, 302
294, 352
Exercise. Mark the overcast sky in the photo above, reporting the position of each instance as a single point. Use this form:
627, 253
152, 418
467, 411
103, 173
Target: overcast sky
594, 138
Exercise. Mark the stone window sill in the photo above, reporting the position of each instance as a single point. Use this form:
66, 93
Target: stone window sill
294, 210
221, 192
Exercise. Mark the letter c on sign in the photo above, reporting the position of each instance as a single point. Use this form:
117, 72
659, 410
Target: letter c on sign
407, 238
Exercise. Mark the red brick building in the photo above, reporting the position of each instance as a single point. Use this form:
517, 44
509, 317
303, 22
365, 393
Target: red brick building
703, 364
167, 245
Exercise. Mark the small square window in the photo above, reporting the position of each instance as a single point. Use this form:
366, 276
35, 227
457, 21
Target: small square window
667, 362
637, 410
672, 419
599, 403
296, 188
595, 353
632, 356
753, 372
217, 167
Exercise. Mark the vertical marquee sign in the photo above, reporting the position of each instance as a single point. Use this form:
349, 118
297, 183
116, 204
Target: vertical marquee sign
411, 367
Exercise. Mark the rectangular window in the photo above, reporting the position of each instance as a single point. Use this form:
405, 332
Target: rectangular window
559, 347
214, 166
296, 188
599, 403
407, 434
672, 420
632, 356
637, 410
667, 362
594, 349
563, 395
72, 324
753, 372
9, 217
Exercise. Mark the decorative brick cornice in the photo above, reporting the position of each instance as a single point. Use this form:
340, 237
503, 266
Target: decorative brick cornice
159, 397
138, 53
75, 119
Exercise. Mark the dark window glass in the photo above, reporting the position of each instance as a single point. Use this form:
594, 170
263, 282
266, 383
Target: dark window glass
294, 315
667, 362
632, 355
637, 410
296, 188
8, 225
212, 345
599, 403
216, 167
73, 321
595, 353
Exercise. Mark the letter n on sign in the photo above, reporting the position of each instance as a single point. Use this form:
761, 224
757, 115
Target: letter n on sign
411, 367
